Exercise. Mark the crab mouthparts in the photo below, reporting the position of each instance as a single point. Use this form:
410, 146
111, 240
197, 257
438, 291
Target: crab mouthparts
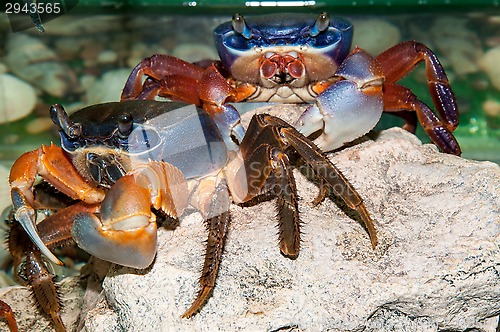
282, 68
104, 169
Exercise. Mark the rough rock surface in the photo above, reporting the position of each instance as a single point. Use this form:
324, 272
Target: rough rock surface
29, 318
436, 267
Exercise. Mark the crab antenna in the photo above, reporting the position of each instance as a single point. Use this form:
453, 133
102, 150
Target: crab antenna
61, 119
321, 24
241, 27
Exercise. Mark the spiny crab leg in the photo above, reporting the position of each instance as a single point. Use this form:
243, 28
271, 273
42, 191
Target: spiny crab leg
6, 311
287, 136
217, 228
332, 175
125, 231
397, 62
42, 285
52, 164
55, 231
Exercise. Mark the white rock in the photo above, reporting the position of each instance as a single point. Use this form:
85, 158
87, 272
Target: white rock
489, 64
436, 266
375, 35
39, 125
17, 98
459, 45
138, 52
108, 87
107, 56
68, 48
191, 52
33, 61
463, 60
491, 107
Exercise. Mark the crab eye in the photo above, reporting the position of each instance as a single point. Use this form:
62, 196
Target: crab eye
74, 131
321, 24
240, 26
125, 124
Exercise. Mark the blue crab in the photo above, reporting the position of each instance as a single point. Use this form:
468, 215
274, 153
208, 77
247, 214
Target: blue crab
125, 165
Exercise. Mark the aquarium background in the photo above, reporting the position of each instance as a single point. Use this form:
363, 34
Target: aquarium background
86, 54
87, 51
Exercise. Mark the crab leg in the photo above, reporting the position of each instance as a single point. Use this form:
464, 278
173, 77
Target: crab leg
217, 222
52, 164
179, 79
396, 63
400, 59
217, 230
285, 135
174, 78
125, 231
288, 208
6, 311
263, 154
55, 230
398, 97
16, 243
42, 285
261, 158
332, 175
37, 275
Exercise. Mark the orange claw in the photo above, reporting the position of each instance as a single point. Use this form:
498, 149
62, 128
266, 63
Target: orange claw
55, 166
124, 232
6, 311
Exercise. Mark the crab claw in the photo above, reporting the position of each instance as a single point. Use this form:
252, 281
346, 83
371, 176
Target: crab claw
52, 164
125, 233
25, 215
349, 108
134, 247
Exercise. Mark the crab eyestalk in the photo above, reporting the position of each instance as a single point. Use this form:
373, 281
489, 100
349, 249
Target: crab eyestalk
61, 119
241, 27
125, 125
320, 25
